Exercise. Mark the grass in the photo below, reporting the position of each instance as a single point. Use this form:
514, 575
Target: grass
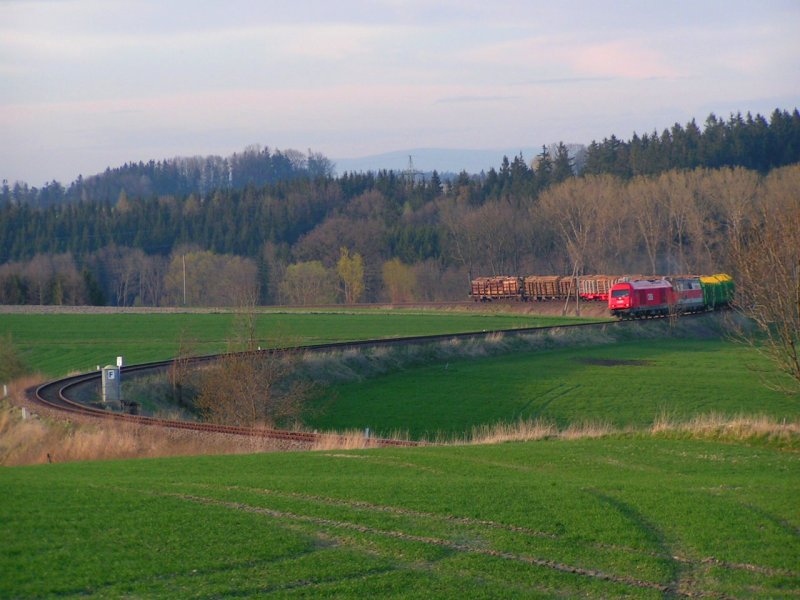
56, 344
598, 518
32, 438
755, 430
624, 384
687, 502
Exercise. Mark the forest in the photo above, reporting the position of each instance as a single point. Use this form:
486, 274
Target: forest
269, 227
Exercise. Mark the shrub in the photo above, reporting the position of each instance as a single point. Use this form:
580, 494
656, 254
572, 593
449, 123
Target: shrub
11, 364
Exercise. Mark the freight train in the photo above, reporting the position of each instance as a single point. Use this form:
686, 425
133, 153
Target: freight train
543, 287
626, 295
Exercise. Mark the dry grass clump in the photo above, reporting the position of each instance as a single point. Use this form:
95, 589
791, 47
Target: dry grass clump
27, 437
353, 439
711, 426
587, 430
37, 440
741, 428
524, 430
527, 430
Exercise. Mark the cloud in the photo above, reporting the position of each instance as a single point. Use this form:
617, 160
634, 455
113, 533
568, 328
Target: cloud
568, 80
628, 59
474, 99
327, 41
372, 76
569, 58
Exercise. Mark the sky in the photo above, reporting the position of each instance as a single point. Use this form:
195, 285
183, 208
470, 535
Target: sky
88, 84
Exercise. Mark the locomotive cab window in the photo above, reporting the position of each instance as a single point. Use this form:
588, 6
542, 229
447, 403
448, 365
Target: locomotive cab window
620, 293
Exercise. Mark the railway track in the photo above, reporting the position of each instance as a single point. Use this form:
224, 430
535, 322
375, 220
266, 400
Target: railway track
60, 394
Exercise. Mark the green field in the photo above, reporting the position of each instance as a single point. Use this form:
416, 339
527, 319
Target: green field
56, 344
626, 384
632, 517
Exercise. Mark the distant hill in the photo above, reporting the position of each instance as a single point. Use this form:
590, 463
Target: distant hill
179, 176
443, 160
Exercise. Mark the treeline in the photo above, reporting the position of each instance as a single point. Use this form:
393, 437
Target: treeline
397, 246
742, 141
753, 142
416, 238
128, 277
193, 277
180, 176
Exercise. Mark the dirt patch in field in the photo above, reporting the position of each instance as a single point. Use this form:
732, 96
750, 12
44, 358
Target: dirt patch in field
611, 362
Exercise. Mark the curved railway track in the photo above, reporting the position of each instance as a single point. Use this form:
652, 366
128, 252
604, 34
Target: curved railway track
60, 394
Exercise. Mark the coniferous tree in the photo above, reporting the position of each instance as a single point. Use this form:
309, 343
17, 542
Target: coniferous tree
562, 164
544, 169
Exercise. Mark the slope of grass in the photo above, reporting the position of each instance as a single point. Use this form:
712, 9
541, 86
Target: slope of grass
622, 384
59, 343
641, 518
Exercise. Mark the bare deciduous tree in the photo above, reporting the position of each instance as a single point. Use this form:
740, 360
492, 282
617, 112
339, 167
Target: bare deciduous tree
574, 207
180, 373
40, 274
209, 279
151, 280
648, 205
462, 241
500, 233
613, 248
766, 256
435, 282
703, 227
251, 388
681, 201
731, 194
124, 267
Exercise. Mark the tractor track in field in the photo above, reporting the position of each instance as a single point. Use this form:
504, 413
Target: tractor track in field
676, 588
669, 590
369, 507
60, 394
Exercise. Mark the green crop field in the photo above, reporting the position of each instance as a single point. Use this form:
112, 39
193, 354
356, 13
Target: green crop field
636, 514
615, 517
623, 384
56, 344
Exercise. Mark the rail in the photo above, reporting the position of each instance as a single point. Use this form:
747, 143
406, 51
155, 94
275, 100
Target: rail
57, 394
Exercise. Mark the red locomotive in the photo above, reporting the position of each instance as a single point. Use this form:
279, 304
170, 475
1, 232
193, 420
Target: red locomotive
642, 297
677, 294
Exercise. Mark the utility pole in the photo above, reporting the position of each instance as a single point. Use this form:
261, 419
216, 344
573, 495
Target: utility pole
184, 279
411, 172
